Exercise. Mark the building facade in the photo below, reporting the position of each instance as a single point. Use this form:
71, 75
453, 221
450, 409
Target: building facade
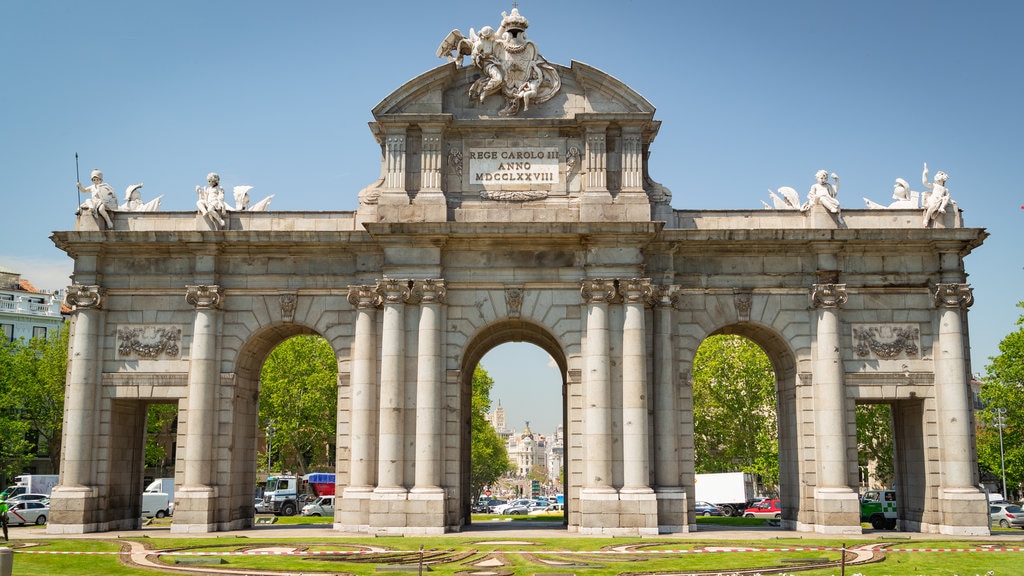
515, 204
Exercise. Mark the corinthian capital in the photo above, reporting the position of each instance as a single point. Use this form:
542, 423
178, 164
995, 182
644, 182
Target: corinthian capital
203, 296
597, 290
828, 295
82, 297
953, 295
664, 295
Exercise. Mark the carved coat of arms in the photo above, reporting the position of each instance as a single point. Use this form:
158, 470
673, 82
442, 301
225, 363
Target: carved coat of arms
509, 64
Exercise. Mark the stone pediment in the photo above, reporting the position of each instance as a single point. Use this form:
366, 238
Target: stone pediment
585, 90
572, 146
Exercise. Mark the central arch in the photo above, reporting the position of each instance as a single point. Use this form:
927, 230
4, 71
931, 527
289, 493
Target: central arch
488, 338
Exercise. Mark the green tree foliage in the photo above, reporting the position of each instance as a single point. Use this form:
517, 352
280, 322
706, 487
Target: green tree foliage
1003, 387
735, 417
159, 417
32, 376
874, 444
299, 393
489, 458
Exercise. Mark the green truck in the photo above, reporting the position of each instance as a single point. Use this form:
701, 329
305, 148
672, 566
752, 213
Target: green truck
879, 508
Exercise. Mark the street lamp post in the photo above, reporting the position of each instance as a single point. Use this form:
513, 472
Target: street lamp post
270, 438
999, 421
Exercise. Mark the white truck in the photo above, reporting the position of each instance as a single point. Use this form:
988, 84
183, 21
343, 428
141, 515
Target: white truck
730, 491
33, 484
284, 493
158, 499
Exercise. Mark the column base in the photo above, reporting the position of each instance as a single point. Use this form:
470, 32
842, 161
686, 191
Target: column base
74, 510
963, 512
837, 511
603, 511
672, 502
195, 510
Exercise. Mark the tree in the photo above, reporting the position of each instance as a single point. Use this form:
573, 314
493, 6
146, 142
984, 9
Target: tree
735, 417
299, 394
32, 378
1003, 387
158, 419
489, 458
874, 443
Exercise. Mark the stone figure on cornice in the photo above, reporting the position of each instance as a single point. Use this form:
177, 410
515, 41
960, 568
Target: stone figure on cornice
787, 199
510, 64
824, 193
903, 198
937, 199
133, 201
102, 198
211, 200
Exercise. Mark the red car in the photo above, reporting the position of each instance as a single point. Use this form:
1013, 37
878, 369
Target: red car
766, 509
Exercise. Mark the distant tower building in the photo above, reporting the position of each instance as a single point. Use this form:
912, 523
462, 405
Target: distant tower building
497, 418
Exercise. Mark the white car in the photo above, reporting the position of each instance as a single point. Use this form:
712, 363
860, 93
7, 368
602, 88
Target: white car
32, 512
322, 506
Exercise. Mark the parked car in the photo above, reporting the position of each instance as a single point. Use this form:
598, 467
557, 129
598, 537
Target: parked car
549, 509
766, 509
322, 506
707, 509
263, 507
32, 512
28, 498
520, 506
1006, 515
486, 505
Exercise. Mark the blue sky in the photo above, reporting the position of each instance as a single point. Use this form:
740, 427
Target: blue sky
751, 95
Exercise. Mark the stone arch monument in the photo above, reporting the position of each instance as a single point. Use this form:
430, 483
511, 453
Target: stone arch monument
515, 204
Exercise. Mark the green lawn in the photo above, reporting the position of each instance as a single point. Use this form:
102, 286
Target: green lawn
449, 555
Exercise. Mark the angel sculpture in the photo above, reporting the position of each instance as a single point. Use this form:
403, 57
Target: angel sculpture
133, 201
241, 194
936, 201
789, 200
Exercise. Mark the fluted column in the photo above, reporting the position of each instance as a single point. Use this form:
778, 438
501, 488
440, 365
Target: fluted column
635, 445
80, 411
394, 294
203, 375
431, 294
362, 452
666, 419
829, 393
632, 159
597, 412
951, 388
596, 165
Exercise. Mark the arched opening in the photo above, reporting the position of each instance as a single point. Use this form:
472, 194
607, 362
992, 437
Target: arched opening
767, 416
254, 437
549, 351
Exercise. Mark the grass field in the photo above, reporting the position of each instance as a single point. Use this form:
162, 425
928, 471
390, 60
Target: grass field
489, 552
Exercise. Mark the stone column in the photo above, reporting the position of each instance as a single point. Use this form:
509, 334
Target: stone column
429, 429
394, 294
836, 503
362, 454
203, 376
666, 420
951, 389
597, 390
80, 429
635, 447
196, 500
962, 506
